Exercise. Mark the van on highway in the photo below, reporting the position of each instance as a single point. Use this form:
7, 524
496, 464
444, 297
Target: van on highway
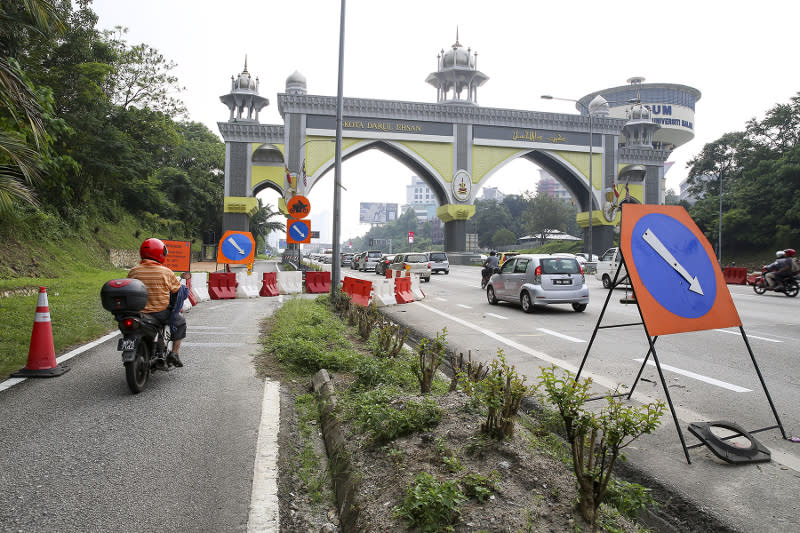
607, 267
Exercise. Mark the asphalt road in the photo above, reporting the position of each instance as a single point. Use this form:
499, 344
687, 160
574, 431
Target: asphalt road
81, 453
709, 374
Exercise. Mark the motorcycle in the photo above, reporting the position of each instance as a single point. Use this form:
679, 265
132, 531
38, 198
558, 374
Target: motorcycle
145, 341
789, 287
486, 275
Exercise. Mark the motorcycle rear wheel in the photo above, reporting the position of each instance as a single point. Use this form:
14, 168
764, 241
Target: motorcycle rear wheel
138, 370
790, 288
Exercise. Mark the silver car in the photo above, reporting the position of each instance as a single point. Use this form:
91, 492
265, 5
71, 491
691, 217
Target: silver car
413, 262
536, 280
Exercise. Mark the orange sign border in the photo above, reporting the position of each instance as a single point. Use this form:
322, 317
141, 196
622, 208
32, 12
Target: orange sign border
179, 256
291, 222
296, 199
657, 319
247, 260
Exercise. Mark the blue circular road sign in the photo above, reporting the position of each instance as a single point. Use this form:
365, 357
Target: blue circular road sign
237, 246
673, 265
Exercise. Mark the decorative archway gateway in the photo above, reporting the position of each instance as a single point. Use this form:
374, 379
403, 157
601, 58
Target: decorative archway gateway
454, 145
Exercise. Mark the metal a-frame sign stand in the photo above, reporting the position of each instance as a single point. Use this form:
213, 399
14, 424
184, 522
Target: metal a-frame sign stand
678, 287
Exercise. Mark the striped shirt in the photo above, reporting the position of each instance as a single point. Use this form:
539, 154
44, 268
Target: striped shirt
160, 282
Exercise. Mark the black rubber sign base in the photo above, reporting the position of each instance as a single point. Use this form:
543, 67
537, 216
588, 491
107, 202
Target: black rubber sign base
755, 453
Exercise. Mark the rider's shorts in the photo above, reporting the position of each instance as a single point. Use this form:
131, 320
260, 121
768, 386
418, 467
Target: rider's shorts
180, 323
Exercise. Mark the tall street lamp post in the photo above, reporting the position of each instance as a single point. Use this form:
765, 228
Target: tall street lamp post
594, 105
719, 231
337, 182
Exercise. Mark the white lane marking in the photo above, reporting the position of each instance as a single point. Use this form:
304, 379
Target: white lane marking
498, 316
517, 346
560, 335
217, 344
441, 299
699, 377
684, 413
78, 351
464, 306
264, 495
10, 382
749, 336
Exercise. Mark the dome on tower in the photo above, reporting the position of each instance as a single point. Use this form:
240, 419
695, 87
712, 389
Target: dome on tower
458, 56
243, 101
296, 83
296, 77
245, 81
457, 74
639, 112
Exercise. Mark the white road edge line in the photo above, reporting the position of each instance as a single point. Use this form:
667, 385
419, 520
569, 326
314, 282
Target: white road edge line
264, 517
749, 336
7, 384
498, 316
560, 335
699, 377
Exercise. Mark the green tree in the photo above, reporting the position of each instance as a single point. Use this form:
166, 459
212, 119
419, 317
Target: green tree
489, 217
22, 126
545, 215
143, 78
516, 205
671, 197
264, 222
503, 237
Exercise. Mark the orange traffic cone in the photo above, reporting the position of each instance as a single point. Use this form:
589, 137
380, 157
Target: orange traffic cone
41, 356
628, 299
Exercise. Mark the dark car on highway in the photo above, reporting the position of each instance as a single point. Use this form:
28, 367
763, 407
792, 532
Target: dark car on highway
383, 263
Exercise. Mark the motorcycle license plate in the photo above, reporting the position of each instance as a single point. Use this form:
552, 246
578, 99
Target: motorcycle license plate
562, 282
127, 345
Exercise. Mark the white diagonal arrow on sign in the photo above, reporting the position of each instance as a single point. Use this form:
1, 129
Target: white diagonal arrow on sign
298, 231
236, 245
656, 244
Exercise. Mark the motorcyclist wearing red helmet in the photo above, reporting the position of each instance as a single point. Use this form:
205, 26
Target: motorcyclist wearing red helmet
790, 252
161, 283
779, 270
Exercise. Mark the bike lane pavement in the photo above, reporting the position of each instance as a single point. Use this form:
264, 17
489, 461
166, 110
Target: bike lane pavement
196, 450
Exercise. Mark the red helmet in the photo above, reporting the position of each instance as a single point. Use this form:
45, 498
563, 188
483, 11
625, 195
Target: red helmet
789, 252
154, 249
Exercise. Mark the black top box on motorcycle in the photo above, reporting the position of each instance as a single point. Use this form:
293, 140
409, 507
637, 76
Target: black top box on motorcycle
123, 295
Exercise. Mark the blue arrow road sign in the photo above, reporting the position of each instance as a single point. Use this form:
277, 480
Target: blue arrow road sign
236, 246
298, 231
673, 265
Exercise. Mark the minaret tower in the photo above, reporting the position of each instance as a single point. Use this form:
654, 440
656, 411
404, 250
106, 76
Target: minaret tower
243, 101
456, 73
639, 129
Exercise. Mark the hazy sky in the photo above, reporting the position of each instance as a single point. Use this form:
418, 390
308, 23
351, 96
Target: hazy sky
740, 55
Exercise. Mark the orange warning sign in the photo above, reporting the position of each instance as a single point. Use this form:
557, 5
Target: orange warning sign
674, 272
179, 256
298, 231
236, 247
298, 206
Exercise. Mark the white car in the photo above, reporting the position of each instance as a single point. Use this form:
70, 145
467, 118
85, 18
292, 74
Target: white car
607, 267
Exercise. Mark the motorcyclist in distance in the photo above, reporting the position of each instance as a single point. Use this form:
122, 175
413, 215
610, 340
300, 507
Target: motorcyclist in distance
778, 271
161, 283
492, 262
790, 253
